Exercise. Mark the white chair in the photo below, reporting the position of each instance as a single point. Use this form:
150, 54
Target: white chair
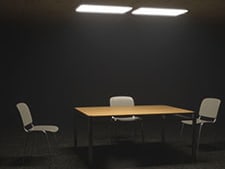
116, 101
29, 127
207, 115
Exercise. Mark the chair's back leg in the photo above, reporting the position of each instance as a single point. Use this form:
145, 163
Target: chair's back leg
25, 147
199, 134
181, 129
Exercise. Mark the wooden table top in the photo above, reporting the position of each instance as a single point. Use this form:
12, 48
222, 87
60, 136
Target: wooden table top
101, 111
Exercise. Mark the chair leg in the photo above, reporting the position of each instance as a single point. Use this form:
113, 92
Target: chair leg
25, 147
181, 129
116, 131
112, 130
56, 140
28, 150
48, 143
51, 162
199, 134
135, 130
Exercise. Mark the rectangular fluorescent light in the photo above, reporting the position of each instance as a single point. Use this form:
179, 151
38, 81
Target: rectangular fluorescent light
159, 11
103, 9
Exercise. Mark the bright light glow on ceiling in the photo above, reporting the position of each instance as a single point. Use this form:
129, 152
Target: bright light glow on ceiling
159, 11
103, 9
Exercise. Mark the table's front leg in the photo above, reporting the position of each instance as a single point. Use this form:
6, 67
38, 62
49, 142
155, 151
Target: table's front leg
75, 130
163, 139
194, 137
90, 141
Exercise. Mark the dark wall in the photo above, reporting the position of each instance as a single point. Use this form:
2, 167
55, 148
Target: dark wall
55, 66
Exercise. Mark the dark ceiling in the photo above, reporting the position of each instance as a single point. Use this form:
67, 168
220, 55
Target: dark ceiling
210, 10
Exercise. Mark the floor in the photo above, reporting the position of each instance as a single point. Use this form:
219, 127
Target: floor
128, 153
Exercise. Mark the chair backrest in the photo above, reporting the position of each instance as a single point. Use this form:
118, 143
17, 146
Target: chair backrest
209, 107
121, 101
25, 113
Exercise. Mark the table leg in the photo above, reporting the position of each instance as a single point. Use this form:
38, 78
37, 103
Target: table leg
75, 130
163, 129
194, 138
90, 142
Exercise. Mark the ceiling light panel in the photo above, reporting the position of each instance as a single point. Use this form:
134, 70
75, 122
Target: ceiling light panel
88, 8
159, 11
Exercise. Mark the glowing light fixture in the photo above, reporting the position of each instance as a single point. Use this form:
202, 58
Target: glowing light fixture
159, 11
103, 9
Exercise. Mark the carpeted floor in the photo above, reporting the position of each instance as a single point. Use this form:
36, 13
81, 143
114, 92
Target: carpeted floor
126, 154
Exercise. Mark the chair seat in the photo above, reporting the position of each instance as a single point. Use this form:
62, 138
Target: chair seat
198, 121
48, 128
130, 118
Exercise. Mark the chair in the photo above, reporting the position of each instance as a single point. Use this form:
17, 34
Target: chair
29, 127
116, 101
207, 115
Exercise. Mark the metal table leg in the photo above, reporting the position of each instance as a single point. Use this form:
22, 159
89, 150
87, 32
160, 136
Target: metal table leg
90, 142
194, 138
75, 130
163, 129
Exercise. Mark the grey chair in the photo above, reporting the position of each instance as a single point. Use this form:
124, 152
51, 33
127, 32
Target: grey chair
30, 127
208, 112
116, 101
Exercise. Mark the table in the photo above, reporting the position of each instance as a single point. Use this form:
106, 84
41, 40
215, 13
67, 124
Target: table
103, 111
